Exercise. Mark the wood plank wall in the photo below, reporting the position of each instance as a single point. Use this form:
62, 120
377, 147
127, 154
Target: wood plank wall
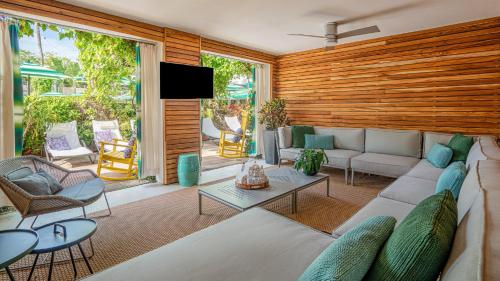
74, 14
444, 79
182, 117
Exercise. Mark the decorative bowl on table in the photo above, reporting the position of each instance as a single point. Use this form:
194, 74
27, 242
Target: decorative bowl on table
251, 176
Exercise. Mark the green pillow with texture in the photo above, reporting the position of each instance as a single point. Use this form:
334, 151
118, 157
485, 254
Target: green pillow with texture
460, 145
349, 257
419, 247
318, 142
298, 135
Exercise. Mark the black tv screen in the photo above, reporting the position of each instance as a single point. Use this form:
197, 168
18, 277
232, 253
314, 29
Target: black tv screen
179, 81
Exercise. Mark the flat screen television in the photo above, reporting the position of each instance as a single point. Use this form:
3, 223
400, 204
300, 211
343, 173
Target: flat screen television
179, 81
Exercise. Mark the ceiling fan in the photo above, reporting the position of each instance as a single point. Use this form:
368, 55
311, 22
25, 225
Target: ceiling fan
331, 33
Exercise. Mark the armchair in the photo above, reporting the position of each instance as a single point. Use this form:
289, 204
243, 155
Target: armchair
80, 188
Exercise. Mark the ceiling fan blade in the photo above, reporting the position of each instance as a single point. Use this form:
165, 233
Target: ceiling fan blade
360, 31
306, 35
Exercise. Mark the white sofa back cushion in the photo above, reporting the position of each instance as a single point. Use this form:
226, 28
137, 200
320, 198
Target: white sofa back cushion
474, 254
475, 154
431, 138
344, 138
394, 142
285, 137
489, 147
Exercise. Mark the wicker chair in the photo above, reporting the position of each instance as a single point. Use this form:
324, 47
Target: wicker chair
31, 205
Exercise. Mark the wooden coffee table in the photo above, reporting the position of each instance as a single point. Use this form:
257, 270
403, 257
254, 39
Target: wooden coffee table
282, 182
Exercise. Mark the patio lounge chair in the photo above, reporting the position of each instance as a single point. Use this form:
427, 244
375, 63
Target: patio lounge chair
79, 188
232, 123
232, 143
108, 131
208, 128
61, 141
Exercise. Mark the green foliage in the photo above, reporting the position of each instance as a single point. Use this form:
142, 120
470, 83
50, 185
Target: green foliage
40, 85
273, 115
309, 161
41, 111
28, 57
224, 71
104, 61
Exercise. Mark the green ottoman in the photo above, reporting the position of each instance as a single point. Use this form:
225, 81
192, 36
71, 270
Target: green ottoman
188, 169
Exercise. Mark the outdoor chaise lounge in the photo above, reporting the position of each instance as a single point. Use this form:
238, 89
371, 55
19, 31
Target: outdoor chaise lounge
62, 141
208, 128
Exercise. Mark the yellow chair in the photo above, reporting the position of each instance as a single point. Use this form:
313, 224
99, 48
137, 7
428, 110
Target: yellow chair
108, 159
234, 149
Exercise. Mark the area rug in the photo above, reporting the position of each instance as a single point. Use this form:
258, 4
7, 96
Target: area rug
145, 225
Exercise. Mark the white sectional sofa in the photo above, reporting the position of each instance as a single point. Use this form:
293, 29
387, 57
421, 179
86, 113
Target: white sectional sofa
348, 143
261, 245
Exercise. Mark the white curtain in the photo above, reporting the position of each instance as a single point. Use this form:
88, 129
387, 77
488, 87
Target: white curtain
262, 89
151, 117
7, 137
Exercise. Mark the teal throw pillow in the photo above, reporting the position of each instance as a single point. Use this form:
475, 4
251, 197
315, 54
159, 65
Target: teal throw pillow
452, 178
318, 141
460, 145
349, 257
298, 135
440, 155
419, 247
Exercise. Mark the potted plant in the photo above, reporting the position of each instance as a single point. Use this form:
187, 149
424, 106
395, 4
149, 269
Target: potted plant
272, 115
309, 161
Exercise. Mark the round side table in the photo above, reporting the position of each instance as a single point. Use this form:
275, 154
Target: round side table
15, 244
63, 235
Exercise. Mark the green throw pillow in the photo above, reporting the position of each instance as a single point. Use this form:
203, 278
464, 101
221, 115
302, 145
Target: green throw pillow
460, 145
452, 178
419, 247
298, 132
318, 141
349, 257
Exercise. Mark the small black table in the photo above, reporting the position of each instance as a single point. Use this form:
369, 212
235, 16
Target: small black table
14, 245
63, 235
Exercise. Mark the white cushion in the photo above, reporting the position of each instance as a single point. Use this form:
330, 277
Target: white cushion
394, 142
80, 151
383, 164
465, 259
490, 147
468, 191
431, 138
409, 190
68, 130
285, 137
475, 154
425, 170
253, 245
340, 158
377, 207
344, 138
289, 153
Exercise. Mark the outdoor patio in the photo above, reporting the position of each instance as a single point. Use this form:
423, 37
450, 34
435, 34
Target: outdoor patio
79, 163
211, 160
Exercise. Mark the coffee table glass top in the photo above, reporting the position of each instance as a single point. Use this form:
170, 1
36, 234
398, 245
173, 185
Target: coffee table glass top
282, 181
62, 234
15, 244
